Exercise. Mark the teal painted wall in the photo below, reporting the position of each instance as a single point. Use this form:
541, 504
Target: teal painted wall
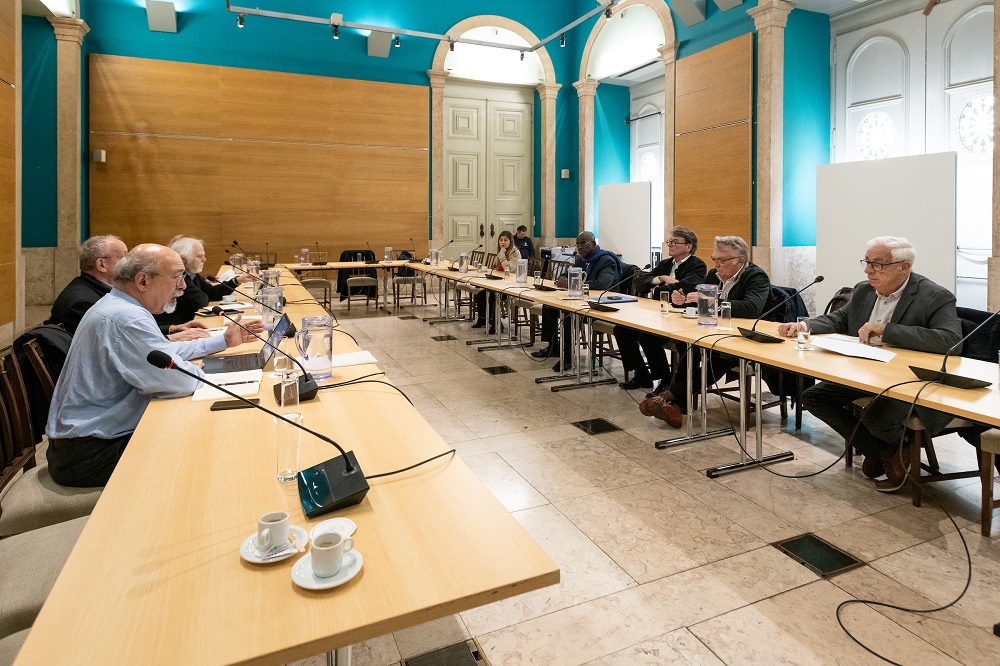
38, 117
718, 27
612, 146
807, 122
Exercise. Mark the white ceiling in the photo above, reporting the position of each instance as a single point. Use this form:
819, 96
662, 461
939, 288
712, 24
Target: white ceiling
830, 6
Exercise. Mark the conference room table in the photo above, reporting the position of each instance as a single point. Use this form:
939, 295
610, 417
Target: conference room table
157, 575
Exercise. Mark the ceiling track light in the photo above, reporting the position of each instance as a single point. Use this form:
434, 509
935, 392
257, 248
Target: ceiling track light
239, 21
522, 56
396, 43
607, 13
451, 45
562, 40
336, 31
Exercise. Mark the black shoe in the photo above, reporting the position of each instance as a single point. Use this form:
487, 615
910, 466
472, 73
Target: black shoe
544, 353
660, 390
562, 366
479, 324
637, 382
492, 331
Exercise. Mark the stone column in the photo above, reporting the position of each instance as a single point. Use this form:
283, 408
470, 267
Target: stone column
770, 17
437, 77
993, 274
669, 54
69, 34
547, 94
586, 90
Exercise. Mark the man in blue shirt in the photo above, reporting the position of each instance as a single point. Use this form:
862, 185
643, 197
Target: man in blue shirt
523, 243
106, 382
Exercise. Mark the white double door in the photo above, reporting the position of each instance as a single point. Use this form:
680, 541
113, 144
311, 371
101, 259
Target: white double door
488, 164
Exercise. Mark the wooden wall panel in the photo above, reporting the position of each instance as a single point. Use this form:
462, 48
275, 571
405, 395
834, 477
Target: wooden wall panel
715, 86
713, 183
8, 303
7, 18
154, 97
286, 160
8, 197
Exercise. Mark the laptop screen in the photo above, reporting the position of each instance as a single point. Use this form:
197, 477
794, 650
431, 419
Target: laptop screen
267, 351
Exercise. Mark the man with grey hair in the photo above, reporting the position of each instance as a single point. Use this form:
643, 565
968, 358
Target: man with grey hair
106, 382
746, 287
897, 307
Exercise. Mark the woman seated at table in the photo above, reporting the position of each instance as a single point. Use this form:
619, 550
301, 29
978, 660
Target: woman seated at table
198, 290
506, 262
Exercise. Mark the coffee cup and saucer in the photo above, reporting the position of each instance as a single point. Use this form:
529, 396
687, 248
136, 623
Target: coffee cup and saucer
270, 543
345, 527
690, 313
331, 561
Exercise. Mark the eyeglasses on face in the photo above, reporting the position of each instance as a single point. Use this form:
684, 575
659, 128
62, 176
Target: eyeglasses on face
722, 260
178, 279
673, 242
877, 266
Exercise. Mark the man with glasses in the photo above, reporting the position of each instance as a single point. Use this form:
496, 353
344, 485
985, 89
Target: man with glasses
743, 284
106, 382
897, 307
681, 270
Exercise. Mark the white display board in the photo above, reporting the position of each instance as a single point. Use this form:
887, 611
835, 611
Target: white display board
912, 197
623, 220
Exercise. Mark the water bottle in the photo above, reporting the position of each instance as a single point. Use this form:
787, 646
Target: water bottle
574, 282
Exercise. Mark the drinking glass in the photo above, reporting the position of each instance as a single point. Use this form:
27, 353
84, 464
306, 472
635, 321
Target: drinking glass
804, 334
664, 302
538, 277
586, 290
287, 435
725, 316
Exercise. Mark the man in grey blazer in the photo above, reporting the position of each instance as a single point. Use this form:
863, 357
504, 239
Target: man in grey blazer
899, 308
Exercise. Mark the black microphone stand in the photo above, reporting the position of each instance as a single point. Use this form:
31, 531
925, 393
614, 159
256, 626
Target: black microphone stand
753, 334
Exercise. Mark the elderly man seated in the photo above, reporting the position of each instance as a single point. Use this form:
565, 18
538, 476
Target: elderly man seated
98, 257
602, 270
897, 307
198, 290
747, 287
106, 382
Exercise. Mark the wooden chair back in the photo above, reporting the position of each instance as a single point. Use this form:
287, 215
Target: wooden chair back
37, 359
17, 450
558, 269
477, 257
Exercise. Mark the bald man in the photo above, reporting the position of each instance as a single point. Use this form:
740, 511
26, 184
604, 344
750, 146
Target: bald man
106, 382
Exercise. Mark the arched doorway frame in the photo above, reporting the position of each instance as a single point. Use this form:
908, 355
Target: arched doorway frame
548, 90
586, 90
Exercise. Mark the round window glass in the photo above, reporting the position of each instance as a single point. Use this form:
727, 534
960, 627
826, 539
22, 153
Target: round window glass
975, 125
649, 168
876, 136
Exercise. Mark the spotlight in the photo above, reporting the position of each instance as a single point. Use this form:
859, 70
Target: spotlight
396, 43
336, 31
522, 56
607, 13
562, 40
451, 46
239, 21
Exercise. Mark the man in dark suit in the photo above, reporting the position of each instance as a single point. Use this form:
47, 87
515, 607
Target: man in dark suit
899, 308
743, 284
682, 270
523, 243
98, 257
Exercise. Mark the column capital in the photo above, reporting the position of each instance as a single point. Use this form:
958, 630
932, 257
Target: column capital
771, 14
586, 87
69, 29
548, 90
668, 52
437, 77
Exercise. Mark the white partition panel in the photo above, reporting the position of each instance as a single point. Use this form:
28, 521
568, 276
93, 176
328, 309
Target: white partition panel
904, 196
623, 220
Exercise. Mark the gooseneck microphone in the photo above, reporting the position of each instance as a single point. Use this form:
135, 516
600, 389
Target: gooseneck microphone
307, 385
370, 259
236, 244
753, 334
947, 378
595, 304
328, 486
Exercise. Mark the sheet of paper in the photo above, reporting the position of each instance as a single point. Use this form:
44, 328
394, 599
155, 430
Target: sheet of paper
842, 344
211, 393
228, 275
241, 377
354, 358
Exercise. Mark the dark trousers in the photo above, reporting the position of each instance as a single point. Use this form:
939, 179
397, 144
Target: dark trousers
84, 462
630, 340
550, 321
481, 306
881, 424
718, 364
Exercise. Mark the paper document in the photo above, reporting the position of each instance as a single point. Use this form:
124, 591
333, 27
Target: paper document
228, 275
354, 358
207, 392
235, 307
848, 346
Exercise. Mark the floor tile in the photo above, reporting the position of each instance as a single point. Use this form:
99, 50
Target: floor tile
677, 647
507, 486
431, 636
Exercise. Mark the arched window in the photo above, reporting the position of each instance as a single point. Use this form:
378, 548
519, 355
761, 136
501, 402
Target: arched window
876, 99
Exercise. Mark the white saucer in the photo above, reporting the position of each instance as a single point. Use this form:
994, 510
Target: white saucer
302, 572
248, 550
345, 527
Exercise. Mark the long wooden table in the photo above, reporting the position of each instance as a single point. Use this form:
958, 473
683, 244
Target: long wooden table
156, 574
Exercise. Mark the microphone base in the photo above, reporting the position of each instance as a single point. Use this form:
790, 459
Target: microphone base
325, 487
601, 307
494, 277
948, 379
308, 388
757, 336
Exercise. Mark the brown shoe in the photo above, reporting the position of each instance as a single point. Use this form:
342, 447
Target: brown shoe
672, 415
895, 473
872, 467
663, 410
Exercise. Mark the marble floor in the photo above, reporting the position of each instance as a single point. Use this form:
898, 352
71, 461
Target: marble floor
661, 564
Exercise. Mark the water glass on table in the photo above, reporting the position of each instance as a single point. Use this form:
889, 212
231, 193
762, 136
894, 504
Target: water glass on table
287, 435
804, 336
664, 302
725, 316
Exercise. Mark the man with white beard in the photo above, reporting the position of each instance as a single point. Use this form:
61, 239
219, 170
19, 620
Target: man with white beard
106, 382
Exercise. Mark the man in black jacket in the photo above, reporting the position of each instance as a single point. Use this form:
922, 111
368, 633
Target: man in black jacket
523, 243
741, 283
682, 270
98, 257
198, 291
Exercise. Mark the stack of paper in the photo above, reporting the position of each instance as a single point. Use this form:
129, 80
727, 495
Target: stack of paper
242, 383
848, 346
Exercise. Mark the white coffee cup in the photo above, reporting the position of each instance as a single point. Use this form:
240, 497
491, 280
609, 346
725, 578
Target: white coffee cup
328, 553
229, 298
272, 530
691, 313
